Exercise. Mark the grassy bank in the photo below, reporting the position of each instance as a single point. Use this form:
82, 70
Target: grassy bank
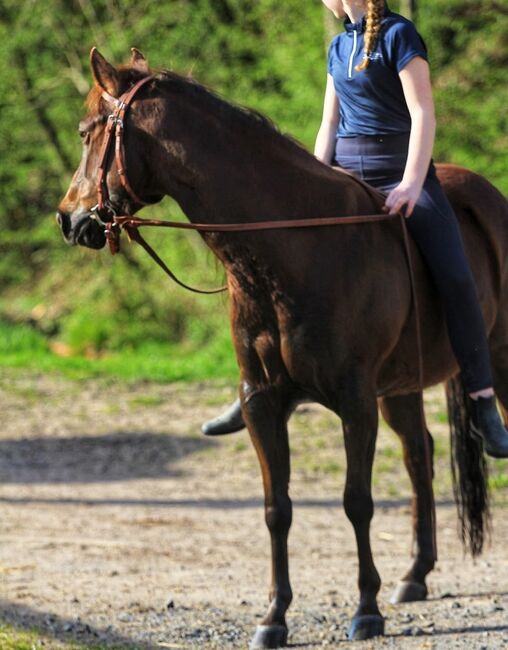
23, 347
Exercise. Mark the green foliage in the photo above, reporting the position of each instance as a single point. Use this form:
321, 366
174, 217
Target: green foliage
261, 53
468, 44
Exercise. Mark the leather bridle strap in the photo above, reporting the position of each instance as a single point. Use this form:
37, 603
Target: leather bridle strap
281, 224
419, 352
114, 131
131, 225
135, 235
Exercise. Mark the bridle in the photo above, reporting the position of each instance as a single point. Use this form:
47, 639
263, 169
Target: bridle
104, 212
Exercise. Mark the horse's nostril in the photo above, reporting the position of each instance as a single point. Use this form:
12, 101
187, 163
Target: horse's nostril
64, 222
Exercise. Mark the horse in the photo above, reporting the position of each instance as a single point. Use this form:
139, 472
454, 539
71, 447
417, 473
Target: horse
323, 314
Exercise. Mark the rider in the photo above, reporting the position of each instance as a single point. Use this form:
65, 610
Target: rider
378, 122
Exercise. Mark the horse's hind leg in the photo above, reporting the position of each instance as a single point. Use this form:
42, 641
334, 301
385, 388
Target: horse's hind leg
358, 411
265, 415
402, 413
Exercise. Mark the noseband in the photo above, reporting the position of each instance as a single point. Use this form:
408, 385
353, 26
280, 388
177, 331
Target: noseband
104, 212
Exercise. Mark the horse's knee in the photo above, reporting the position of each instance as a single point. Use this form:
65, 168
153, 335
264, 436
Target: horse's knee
358, 505
278, 516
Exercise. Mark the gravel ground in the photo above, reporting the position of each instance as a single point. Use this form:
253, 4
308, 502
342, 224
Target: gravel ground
122, 525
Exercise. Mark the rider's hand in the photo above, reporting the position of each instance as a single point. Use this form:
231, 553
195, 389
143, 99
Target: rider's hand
405, 194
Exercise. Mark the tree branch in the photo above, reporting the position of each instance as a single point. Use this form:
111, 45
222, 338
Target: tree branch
45, 122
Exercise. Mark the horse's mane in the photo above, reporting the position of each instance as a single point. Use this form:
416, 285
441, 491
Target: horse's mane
230, 111
187, 86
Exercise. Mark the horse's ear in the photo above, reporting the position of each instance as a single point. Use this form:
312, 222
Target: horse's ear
138, 61
104, 73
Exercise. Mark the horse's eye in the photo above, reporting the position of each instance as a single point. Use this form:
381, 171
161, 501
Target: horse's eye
82, 134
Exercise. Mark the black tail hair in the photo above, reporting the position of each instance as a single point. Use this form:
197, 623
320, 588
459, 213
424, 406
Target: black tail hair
469, 471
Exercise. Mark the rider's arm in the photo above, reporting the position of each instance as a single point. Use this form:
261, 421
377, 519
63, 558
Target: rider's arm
415, 79
325, 140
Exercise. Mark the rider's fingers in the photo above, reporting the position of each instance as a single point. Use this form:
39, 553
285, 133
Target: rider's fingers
409, 208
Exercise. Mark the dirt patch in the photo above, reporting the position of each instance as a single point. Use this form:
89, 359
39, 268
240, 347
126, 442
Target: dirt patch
122, 524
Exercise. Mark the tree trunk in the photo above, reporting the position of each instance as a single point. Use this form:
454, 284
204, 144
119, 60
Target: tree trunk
408, 9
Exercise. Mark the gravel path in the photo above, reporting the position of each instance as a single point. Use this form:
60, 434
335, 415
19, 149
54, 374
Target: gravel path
121, 524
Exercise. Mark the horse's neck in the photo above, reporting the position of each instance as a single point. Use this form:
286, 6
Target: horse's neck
246, 171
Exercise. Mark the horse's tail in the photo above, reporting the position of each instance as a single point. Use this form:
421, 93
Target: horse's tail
469, 471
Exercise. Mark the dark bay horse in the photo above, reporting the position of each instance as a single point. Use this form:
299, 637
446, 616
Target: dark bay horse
324, 314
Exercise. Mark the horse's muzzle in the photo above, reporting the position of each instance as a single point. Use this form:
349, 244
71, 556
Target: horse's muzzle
81, 230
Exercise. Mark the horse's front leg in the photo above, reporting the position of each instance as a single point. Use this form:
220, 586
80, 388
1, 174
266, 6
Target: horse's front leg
358, 411
265, 414
402, 413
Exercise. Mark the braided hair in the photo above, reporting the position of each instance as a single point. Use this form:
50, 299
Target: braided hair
375, 11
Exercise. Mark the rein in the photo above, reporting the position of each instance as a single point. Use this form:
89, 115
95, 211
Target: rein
105, 214
131, 225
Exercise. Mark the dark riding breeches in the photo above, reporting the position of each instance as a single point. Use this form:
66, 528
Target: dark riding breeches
380, 161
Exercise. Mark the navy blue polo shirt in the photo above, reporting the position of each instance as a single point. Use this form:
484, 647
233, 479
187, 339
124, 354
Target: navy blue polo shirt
371, 102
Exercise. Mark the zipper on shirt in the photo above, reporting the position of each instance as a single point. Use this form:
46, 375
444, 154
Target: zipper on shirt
352, 56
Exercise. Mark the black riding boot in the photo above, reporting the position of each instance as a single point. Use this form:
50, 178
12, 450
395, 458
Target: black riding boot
229, 422
488, 426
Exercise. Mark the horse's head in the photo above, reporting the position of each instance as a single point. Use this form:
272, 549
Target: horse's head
77, 212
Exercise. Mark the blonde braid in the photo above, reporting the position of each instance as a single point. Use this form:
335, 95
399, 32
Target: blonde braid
375, 11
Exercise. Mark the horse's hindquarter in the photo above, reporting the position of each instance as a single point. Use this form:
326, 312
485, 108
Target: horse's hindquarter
482, 212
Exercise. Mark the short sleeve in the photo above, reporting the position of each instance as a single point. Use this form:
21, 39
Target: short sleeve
404, 43
332, 55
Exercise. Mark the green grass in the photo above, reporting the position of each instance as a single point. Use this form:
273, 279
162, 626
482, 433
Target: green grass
23, 347
13, 639
142, 401
498, 478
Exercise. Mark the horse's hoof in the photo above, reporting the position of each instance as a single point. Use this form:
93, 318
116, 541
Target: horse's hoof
365, 627
269, 636
408, 592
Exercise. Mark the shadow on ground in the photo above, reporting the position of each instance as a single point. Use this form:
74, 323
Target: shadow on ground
67, 630
90, 459
206, 504
84, 635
